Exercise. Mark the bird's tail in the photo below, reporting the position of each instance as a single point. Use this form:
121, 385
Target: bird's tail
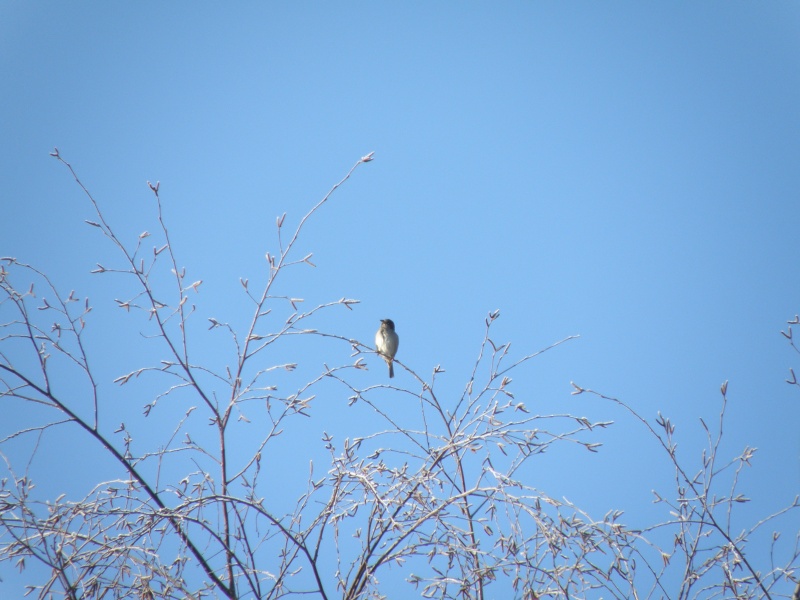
391, 369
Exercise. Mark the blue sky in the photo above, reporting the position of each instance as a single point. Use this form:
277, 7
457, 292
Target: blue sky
622, 171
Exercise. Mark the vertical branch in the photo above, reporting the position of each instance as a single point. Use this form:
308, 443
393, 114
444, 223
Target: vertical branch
245, 352
178, 274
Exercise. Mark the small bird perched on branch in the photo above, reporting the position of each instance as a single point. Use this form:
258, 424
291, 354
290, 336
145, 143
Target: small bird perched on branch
386, 342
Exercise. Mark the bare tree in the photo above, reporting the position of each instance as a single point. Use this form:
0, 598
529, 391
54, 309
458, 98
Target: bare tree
438, 495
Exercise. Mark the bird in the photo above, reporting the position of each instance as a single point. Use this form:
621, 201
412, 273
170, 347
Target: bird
386, 342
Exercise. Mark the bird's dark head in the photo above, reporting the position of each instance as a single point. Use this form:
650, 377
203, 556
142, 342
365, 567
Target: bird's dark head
388, 323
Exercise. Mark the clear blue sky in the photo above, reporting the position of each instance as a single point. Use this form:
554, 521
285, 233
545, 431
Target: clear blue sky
624, 171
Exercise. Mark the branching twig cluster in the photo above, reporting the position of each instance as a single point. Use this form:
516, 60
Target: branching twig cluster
438, 495
789, 335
